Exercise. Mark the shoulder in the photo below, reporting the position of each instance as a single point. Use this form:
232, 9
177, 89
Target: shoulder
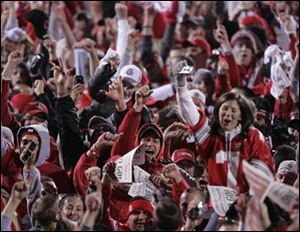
255, 134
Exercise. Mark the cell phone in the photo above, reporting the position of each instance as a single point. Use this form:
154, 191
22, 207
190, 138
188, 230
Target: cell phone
196, 212
79, 79
25, 156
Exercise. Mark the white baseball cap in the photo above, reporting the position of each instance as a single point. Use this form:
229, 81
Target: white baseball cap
16, 34
288, 166
132, 74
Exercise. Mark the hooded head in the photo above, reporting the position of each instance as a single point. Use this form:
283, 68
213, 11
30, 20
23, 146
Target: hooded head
43, 137
139, 213
245, 46
152, 136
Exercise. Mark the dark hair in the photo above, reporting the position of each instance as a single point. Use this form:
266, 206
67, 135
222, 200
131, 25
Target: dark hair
247, 114
284, 152
81, 16
168, 214
41, 210
67, 196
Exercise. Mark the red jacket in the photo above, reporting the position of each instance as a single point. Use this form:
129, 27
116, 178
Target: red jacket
218, 150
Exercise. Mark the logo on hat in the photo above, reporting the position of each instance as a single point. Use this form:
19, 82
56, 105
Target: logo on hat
129, 71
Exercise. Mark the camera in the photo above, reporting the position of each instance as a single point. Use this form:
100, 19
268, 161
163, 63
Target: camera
35, 63
79, 79
25, 156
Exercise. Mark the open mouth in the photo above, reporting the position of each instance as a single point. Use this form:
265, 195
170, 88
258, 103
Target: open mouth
74, 218
149, 153
226, 122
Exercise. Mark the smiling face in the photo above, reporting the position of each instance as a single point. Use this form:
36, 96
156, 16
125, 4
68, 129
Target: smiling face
73, 209
229, 115
137, 221
242, 53
152, 146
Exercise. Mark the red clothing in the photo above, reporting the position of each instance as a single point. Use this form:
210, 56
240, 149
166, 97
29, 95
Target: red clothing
81, 184
244, 76
9, 120
221, 152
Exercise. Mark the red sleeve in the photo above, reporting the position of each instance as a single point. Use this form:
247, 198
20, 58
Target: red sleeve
222, 84
80, 182
7, 118
178, 189
233, 71
260, 148
129, 127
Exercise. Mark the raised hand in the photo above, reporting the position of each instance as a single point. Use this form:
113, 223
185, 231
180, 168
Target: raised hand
109, 170
76, 92
50, 45
106, 139
172, 171
15, 58
141, 97
176, 130
93, 175
121, 11
221, 37
39, 87
19, 191
116, 94
158, 179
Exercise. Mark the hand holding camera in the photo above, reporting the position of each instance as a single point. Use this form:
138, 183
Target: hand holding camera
29, 154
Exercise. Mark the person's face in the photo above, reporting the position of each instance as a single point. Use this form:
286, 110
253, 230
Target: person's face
32, 119
137, 221
282, 9
154, 114
201, 86
198, 55
152, 146
73, 209
189, 201
129, 90
242, 54
13, 45
49, 187
188, 166
79, 29
229, 115
286, 177
202, 181
294, 134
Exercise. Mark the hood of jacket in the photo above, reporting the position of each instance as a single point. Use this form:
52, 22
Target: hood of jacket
44, 138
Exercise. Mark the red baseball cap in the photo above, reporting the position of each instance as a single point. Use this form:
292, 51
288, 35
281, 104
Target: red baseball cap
183, 154
35, 108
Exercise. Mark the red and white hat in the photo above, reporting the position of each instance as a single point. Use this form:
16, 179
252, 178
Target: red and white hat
183, 154
140, 204
132, 74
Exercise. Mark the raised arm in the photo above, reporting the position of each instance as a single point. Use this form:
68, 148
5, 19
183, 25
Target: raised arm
187, 107
130, 124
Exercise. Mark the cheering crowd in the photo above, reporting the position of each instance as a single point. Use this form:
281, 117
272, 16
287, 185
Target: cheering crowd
136, 115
